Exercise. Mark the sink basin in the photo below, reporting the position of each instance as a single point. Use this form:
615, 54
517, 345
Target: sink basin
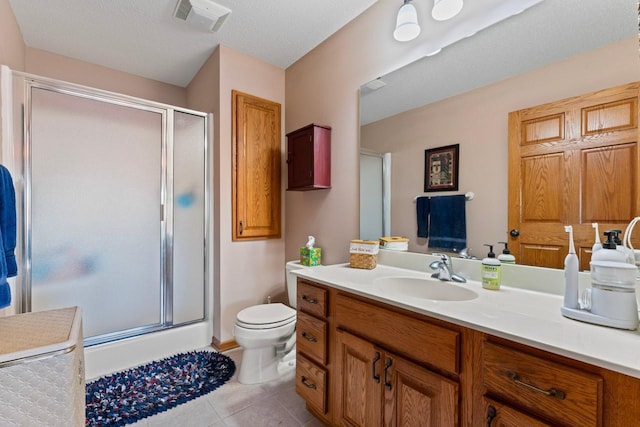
425, 288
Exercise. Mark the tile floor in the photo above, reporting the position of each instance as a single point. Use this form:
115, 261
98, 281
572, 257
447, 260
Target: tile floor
237, 405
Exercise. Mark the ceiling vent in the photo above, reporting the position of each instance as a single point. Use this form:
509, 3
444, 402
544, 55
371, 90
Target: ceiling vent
203, 14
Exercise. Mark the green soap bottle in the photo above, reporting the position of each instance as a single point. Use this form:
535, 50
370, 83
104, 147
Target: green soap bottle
491, 271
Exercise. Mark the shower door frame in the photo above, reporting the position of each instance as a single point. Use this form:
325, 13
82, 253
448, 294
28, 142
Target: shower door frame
23, 160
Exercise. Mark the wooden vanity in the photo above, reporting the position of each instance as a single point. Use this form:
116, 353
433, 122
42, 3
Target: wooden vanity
362, 362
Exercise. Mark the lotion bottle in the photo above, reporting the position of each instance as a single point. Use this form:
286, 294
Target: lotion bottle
571, 267
491, 271
506, 257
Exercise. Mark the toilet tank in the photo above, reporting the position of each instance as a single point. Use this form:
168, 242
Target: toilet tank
292, 283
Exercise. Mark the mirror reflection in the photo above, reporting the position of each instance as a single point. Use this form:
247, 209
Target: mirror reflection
463, 95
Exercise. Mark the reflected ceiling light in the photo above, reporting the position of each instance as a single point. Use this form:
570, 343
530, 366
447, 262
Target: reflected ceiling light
446, 9
407, 27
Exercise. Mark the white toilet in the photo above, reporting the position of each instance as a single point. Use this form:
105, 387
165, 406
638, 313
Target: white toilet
267, 334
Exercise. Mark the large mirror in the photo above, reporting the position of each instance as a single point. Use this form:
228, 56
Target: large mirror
462, 95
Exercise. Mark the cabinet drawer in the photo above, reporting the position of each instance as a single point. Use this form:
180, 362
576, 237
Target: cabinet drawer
499, 415
311, 337
420, 341
311, 383
553, 391
312, 299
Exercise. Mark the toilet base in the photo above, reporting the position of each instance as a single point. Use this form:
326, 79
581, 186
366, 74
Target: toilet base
261, 365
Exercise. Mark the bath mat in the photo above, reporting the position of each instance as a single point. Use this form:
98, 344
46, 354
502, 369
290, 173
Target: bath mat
129, 396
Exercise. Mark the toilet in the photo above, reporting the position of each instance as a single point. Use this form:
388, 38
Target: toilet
267, 334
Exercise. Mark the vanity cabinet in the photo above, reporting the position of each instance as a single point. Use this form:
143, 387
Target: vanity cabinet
362, 362
309, 158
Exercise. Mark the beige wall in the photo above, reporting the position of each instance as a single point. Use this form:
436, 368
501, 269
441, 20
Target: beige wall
60, 67
322, 87
246, 272
477, 120
12, 47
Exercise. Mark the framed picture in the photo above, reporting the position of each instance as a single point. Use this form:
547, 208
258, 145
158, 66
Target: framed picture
441, 168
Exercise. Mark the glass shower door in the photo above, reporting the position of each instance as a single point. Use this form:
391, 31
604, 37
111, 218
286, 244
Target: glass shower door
96, 196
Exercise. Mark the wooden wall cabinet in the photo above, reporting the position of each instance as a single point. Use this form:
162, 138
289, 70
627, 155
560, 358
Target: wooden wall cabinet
365, 363
256, 188
309, 158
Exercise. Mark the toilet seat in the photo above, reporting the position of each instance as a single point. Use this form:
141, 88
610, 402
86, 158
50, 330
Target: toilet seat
265, 316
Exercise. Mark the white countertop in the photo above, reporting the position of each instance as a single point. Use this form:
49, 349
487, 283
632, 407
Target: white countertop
525, 316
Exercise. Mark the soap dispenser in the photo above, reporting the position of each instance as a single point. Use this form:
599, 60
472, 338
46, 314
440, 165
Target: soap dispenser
609, 250
506, 257
628, 254
491, 271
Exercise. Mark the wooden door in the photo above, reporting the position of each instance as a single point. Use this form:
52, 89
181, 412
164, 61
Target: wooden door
256, 168
358, 372
499, 415
572, 162
417, 397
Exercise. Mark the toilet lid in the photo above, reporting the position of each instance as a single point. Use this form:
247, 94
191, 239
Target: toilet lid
266, 316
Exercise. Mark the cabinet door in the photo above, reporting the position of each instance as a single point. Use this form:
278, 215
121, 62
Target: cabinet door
417, 397
256, 168
358, 370
499, 415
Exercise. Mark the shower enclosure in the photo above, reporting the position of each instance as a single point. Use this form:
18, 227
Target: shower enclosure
113, 207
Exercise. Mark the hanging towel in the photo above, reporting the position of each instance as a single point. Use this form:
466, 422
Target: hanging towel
448, 223
8, 220
422, 211
8, 267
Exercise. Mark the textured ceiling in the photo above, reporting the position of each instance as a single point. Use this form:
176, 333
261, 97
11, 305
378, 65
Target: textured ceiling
549, 31
143, 38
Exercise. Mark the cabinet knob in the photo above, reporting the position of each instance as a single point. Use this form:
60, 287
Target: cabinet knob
375, 360
387, 365
307, 383
491, 414
308, 337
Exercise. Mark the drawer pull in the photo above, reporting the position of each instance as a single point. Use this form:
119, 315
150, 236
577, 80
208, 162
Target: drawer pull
309, 300
491, 414
387, 365
309, 338
376, 358
552, 392
307, 384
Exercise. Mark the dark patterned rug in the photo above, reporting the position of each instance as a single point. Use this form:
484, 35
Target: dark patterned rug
129, 396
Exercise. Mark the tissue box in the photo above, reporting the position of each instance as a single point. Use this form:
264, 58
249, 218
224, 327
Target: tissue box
310, 257
394, 243
363, 254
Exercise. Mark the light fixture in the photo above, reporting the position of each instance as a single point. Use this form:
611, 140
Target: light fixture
446, 9
407, 27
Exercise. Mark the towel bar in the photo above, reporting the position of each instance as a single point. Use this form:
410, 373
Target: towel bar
469, 195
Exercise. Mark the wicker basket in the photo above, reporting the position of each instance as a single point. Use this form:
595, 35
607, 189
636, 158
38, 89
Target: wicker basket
366, 261
363, 254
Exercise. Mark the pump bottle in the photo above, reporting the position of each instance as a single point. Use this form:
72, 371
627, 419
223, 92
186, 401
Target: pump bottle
609, 250
506, 257
491, 274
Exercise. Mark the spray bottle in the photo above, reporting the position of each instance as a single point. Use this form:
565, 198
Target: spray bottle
571, 268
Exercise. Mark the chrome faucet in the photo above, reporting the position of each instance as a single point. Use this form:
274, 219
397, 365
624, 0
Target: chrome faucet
445, 270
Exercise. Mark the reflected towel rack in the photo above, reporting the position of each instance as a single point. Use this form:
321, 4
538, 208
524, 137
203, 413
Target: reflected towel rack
469, 195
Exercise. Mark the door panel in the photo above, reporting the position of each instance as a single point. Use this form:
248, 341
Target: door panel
572, 162
95, 211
